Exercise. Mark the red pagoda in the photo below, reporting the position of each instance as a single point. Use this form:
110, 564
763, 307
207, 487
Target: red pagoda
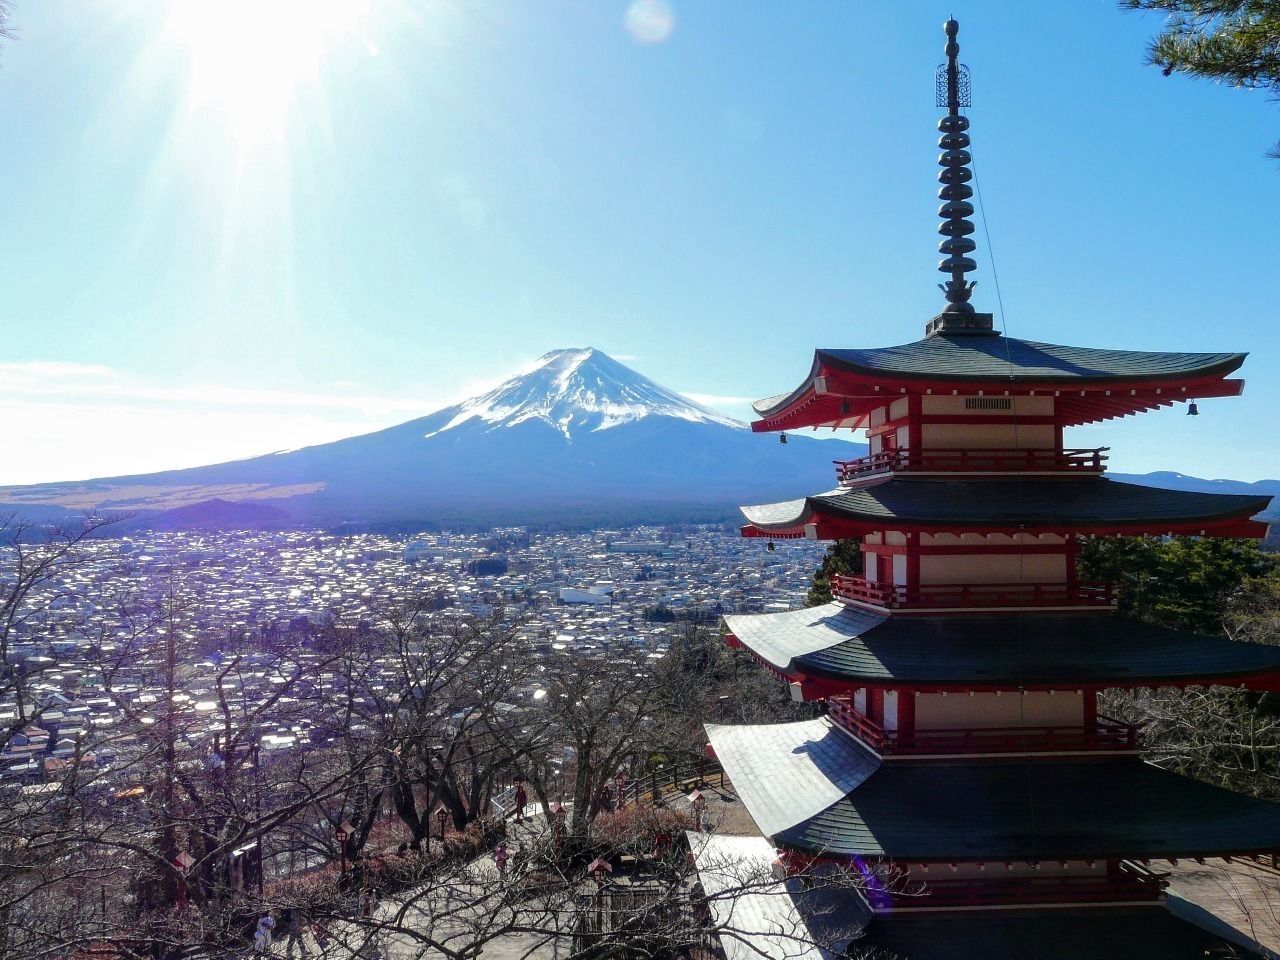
962, 751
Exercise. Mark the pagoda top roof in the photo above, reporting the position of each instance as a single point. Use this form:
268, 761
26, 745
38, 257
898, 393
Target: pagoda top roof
1000, 358
1116, 933
966, 364
1083, 504
851, 644
1028, 810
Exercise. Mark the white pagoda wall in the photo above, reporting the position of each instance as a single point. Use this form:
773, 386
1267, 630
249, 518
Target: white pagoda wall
938, 711
993, 568
986, 436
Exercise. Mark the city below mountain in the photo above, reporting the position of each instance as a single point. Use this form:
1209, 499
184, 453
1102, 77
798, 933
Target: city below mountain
579, 438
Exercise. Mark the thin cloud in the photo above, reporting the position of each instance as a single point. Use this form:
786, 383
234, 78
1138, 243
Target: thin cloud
52, 381
718, 399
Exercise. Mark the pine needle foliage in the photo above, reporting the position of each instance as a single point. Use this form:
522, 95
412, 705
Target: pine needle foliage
1180, 582
1227, 41
843, 556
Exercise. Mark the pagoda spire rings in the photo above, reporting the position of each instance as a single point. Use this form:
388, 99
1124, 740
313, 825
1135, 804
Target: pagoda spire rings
953, 92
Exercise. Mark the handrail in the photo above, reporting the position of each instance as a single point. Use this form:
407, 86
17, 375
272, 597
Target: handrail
948, 595
1103, 734
966, 460
1125, 886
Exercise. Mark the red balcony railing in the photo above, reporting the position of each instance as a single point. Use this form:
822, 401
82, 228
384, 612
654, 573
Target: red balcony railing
1103, 734
973, 461
1130, 883
959, 596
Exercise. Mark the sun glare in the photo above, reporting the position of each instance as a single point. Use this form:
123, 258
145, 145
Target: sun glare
249, 59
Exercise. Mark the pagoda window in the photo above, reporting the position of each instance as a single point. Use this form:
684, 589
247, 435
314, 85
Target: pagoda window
860, 700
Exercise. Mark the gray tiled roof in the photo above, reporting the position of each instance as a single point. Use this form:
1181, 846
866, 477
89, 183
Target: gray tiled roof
787, 772
1114, 933
1060, 503
781, 637
1004, 357
1009, 361
1096, 809
783, 920
846, 643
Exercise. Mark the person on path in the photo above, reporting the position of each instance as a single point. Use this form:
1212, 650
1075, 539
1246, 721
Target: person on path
321, 933
522, 799
294, 927
500, 858
262, 935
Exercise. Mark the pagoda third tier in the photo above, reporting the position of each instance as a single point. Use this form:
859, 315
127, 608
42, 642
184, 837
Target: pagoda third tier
834, 649
1011, 506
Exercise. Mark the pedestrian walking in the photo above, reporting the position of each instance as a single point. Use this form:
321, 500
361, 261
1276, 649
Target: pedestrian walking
295, 928
321, 933
262, 935
522, 799
500, 858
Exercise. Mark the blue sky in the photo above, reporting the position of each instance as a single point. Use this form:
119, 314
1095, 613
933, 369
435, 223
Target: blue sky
233, 226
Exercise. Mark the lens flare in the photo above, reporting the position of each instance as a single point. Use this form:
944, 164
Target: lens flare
650, 21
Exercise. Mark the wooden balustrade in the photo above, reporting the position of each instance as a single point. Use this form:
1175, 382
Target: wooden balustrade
1103, 734
1075, 460
972, 595
1124, 886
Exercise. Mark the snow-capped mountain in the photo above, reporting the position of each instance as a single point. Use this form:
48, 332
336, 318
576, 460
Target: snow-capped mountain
576, 391
577, 436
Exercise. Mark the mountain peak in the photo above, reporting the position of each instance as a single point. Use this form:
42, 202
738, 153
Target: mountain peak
577, 389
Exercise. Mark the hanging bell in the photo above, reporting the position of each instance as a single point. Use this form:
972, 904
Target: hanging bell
844, 408
782, 438
1192, 409
771, 546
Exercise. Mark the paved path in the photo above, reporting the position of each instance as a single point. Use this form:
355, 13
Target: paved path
470, 902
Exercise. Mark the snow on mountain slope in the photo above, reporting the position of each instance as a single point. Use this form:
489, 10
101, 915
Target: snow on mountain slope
577, 436
578, 390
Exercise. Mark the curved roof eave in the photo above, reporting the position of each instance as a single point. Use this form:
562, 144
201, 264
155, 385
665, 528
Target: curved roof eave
1036, 363
1095, 503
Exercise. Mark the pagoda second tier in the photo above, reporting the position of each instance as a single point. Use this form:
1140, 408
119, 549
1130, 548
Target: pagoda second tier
833, 649
1073, 385
1093, 505
821, 794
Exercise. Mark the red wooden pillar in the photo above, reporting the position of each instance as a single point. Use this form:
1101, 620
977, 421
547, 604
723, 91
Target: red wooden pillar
1090, 707
906, 714
1073, 557
875, 705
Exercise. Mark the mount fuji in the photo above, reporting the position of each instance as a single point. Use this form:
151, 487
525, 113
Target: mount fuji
575, 438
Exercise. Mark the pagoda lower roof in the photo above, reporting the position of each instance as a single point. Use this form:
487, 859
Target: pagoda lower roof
791, 771
1033, 811
1095, 384
1085, 505
1048, 651
1110, 933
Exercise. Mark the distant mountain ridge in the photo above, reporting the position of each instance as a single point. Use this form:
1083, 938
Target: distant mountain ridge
576, 437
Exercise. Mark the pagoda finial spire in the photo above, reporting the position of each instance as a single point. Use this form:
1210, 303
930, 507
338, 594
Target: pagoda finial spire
953, 92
